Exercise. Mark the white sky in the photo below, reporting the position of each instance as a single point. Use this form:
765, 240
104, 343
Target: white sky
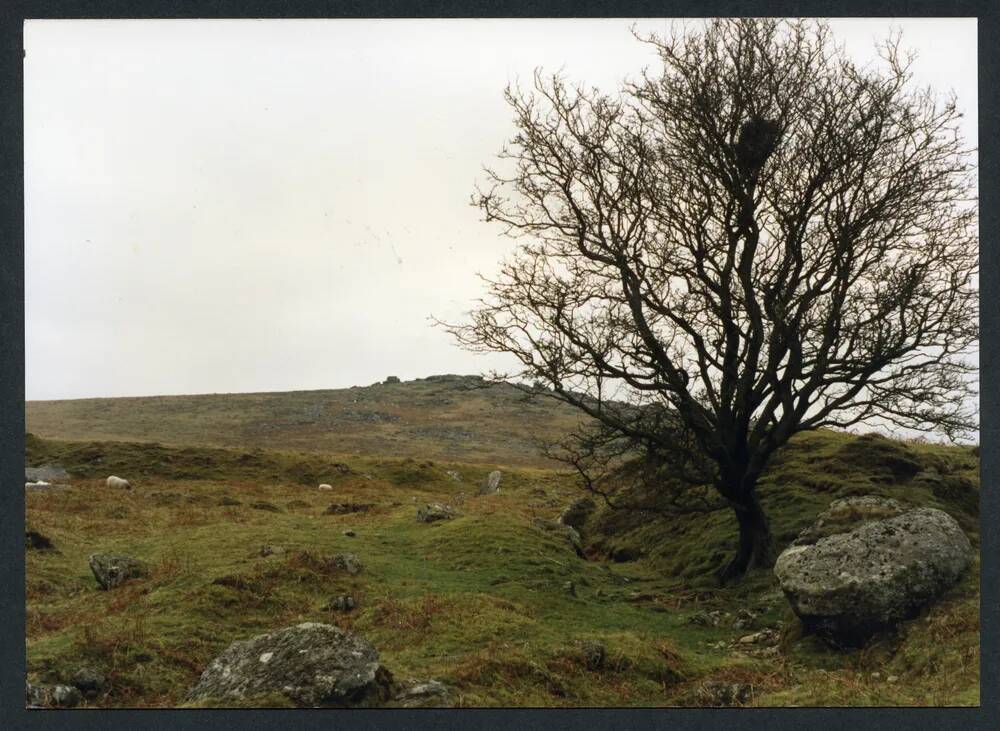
226, 206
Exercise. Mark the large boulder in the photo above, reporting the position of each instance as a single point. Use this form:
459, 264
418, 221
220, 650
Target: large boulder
491, 483
577, 513
313, 665
848, 585
111, 571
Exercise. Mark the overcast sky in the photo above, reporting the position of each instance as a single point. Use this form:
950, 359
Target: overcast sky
226, 206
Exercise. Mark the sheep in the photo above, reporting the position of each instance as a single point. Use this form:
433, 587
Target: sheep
324, 486
118, 482
40, 483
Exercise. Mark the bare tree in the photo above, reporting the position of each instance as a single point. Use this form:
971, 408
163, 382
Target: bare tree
762, 238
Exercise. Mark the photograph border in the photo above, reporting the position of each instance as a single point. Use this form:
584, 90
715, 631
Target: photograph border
12, 559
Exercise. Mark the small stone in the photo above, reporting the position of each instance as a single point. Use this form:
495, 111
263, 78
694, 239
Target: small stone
343, 603
89, 681
876, 675
111, 571
892, 679
38, 696
345, 562
66, 696
720, 694
423, 694
349, 533
435, 511
570, 588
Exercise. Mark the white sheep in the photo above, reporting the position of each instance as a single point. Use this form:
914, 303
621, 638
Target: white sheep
324, 486
40, 483
118, 482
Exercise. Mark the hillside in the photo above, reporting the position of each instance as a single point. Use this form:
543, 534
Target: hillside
440, 417
493, 603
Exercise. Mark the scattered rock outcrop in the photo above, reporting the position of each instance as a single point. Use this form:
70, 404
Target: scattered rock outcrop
847, 585
491, 483
432, 512
312, 664
112, 571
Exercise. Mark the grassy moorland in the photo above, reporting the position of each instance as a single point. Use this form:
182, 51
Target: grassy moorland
453, 417
481, 602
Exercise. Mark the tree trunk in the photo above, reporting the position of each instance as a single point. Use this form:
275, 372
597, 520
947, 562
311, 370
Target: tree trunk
755, 549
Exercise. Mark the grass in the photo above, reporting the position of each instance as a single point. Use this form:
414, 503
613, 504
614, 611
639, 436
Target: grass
478, 602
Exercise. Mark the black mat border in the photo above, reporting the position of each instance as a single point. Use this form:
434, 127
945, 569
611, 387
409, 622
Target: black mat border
12, 712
